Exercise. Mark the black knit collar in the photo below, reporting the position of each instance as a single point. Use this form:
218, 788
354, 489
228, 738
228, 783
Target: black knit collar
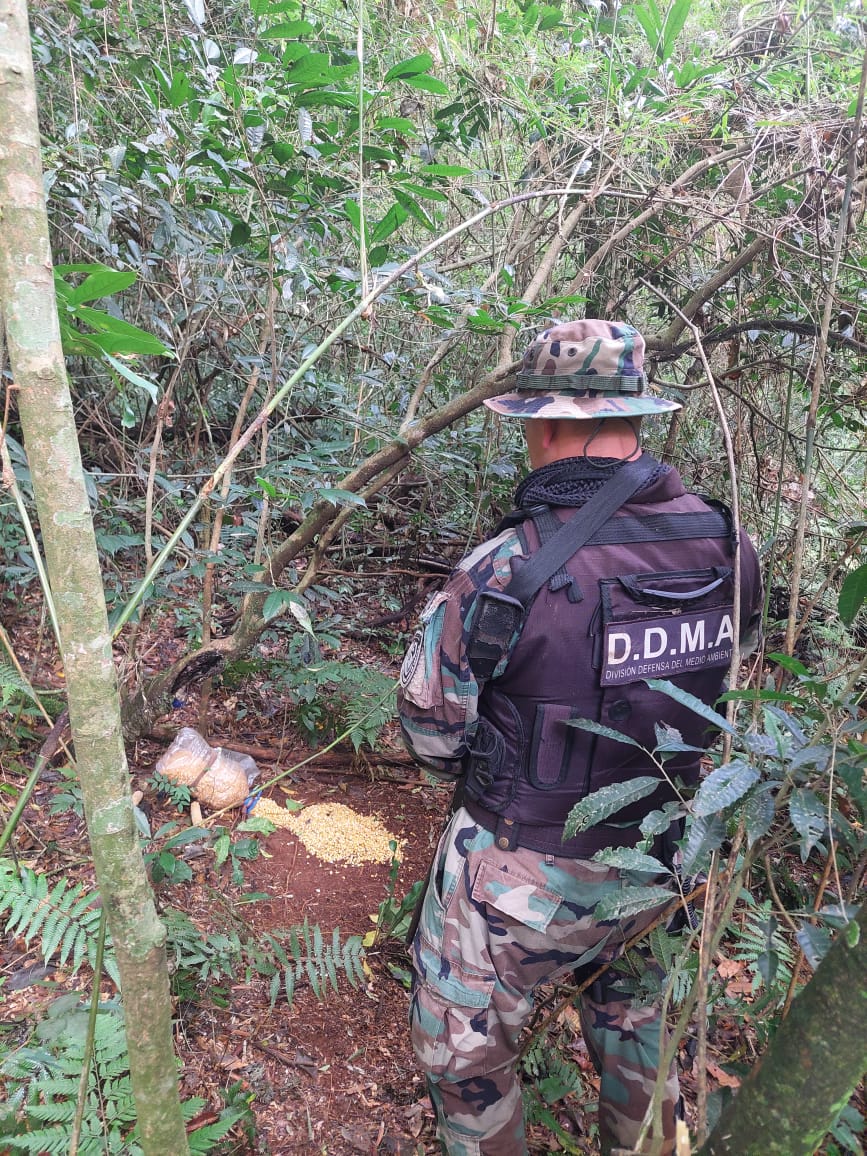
572, 481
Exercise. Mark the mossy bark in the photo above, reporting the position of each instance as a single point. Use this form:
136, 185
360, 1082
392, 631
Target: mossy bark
813, 1065
29, 317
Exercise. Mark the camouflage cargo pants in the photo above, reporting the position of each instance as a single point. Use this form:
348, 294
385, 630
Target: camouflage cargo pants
496, 924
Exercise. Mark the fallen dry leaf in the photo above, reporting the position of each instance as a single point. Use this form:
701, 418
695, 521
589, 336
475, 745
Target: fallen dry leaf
721, 1077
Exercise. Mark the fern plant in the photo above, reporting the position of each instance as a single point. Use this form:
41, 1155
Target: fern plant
550, 1076
283, 957
331, 697
310, 956
64, 917
42, 1084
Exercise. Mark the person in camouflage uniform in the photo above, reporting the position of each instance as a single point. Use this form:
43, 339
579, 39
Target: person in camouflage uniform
510, 903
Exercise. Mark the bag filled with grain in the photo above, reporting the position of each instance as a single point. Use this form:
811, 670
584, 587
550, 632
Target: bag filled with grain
217, 777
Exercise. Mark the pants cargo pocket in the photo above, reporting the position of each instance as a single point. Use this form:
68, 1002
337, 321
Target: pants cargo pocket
450, 1022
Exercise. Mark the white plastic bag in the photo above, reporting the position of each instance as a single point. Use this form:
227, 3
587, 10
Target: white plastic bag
217, 777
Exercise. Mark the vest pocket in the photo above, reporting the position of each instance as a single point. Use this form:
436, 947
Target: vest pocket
551, 746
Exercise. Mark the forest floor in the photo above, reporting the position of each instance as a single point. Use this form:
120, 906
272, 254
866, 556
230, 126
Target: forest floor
331, 1074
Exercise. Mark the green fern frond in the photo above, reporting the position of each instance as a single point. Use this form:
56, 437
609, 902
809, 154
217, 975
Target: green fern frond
203, 1139
11, 684
64, 918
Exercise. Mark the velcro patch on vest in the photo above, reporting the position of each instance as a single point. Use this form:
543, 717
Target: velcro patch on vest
666, 646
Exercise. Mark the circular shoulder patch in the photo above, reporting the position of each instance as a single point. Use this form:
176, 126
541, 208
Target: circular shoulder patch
411, 659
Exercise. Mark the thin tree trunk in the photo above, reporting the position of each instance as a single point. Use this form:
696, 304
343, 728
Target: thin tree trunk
812, 1067
29, 316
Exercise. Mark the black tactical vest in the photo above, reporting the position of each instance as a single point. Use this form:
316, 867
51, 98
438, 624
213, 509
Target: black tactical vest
651, 596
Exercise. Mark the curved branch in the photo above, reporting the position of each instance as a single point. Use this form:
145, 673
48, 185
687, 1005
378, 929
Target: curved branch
669, 351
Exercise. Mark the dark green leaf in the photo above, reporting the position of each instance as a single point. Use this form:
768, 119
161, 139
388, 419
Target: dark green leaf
427, 84
758, 814
607, 801
392, 220
787, 662
411, 67
413, 208
814, 942
586, 724
353, 214
446, 170
631, 901
853, 594
705, 835
288, 30
689, 700
724, 786
628, 859
808, 817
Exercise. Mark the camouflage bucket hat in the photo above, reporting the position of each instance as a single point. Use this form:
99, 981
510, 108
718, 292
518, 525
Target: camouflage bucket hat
582, 369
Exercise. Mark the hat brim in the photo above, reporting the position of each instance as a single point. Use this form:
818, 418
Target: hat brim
525, 404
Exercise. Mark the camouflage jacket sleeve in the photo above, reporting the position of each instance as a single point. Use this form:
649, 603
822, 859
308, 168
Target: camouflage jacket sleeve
439, 694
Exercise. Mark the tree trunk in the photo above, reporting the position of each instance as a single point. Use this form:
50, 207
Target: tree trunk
813, 1065
29, 315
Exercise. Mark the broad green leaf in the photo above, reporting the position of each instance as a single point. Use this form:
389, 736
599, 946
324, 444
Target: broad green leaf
655, 822
628, 859
674, 23
353, 214
399, 124
278, 600
340, 497
649, 18
724, 786
550, 18
446, 170
413, 208
115, 336
607, 801
427, 84
392, 220
302, 616
288, 30
411, 67
758, 814
424, 191
809, 818
853, 594
132, 377
689, 700
102, 282
814, 942
787, 662
586, 724
705, 835
630, 901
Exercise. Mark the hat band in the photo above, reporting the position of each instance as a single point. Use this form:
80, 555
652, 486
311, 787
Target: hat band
581, 383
